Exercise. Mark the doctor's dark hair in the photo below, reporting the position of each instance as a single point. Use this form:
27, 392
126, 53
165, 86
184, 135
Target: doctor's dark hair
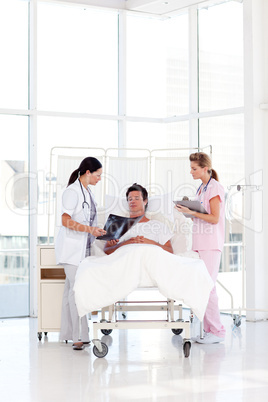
142, 190
89, 163
203, 160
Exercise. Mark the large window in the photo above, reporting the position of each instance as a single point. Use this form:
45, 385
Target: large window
75, 103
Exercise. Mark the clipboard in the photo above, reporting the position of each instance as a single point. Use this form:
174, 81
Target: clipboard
116, 226
192, 205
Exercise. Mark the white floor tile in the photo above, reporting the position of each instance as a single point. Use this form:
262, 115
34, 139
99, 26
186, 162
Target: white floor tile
140, 366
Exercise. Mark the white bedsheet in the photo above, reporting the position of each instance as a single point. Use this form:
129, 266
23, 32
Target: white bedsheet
102, 281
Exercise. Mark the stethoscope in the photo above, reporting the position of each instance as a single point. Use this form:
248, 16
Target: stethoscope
85, 204
204, 189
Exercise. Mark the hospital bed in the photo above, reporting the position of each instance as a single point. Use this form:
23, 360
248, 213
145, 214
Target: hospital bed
121, 169
104, 283
108, 280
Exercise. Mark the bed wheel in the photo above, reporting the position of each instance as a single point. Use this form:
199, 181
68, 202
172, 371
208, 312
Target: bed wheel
104, 351
177, 331
106, 331
186, 349
237, 320
39, 335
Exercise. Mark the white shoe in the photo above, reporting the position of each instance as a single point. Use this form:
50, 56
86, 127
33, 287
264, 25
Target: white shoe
194, 338
209, 338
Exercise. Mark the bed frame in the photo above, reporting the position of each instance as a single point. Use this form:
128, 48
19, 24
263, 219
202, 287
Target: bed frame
107, 325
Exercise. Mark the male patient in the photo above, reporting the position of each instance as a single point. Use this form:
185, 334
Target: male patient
103, 281
146, 231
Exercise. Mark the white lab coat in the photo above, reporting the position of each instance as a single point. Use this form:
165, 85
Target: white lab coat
70, 245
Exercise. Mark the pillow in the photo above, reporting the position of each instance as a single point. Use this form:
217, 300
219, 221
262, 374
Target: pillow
161, 204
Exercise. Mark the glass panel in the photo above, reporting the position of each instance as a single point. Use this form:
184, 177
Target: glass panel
226, 135
77, 59
161, 136
157, 66
157, 135
14, 54
177, 65
14, 249
73, 133
221, 56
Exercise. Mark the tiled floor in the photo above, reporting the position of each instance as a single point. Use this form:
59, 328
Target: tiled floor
140, 366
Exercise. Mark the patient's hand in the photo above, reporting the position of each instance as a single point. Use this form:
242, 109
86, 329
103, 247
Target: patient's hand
141, 239
137, 239
148, 241
111, 243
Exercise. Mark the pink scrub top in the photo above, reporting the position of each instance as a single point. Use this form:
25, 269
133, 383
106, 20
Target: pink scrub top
209, 236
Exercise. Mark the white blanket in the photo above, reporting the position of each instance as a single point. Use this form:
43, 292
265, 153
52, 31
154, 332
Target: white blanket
102, 281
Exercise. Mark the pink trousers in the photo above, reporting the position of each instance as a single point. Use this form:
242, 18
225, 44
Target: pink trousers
212, 321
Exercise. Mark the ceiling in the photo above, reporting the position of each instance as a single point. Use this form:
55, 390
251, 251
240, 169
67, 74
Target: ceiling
160, 7
156, 7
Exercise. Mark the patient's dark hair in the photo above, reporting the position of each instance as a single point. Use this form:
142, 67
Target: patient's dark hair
142, 190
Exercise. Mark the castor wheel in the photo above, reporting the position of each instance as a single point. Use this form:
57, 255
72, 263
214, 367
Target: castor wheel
106, 331
101, 353
237, 320
177, 331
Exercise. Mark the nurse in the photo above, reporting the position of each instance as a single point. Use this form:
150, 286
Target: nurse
73, 243
208, 236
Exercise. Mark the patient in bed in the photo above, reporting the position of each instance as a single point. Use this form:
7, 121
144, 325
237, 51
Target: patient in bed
146, 231
147, 260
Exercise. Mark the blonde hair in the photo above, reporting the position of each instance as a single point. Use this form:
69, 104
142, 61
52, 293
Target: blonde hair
203, 160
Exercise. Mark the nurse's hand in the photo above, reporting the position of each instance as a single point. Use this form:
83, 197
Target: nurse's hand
96, 231
184, 210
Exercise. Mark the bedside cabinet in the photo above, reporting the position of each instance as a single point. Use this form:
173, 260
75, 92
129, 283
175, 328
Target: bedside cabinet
51, 279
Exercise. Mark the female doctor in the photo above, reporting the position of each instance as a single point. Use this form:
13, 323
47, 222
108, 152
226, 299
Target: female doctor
208, 236
77, 233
